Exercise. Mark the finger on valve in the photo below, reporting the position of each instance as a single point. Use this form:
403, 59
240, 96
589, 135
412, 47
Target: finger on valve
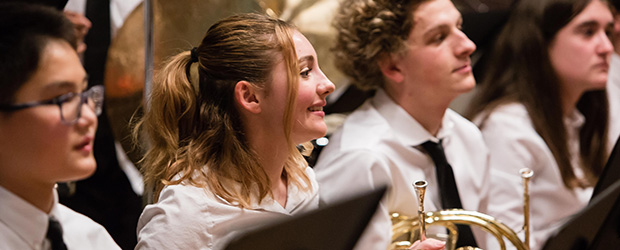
428, 244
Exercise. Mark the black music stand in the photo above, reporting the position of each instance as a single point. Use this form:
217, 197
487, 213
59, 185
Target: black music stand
595, 227
611, 172
335, 227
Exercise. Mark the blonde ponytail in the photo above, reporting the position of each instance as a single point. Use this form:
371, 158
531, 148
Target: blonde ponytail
168, 119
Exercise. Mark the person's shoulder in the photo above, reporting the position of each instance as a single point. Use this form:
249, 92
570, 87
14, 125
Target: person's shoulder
363, 129
509, 128
192, 199
461, 122
465, 129
82, 232
511, 119
70, 218
181, 217
509, 113
353, 143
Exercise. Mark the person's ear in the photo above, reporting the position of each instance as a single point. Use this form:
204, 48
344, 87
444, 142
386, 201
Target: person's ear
246, 95
389, 64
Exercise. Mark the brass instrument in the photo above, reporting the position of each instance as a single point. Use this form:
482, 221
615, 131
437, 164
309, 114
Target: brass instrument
404, 228
420, 190
526, 174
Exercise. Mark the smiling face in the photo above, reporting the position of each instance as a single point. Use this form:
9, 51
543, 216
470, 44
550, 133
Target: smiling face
313, 88
36, 147
436, 60
581, 50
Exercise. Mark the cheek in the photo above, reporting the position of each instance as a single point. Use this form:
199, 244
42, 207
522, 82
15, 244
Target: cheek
305, 96
50, 140
570, 58
36, 142
426, 67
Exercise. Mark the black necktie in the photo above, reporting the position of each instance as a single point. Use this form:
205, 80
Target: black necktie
54, 234
448, 190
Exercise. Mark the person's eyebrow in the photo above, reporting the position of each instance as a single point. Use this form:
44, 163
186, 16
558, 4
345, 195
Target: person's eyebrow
308, 60
62, 85
434, 29
588, 24
441, 26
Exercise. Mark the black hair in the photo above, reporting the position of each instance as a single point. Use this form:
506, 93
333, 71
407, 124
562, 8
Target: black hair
25, 31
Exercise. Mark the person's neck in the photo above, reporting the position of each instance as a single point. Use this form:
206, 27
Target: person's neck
429, 112
272, 155
569, 99
39, 195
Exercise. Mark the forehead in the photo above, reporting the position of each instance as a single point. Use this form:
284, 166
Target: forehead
59, 69
430, 14
303, 47
595, 11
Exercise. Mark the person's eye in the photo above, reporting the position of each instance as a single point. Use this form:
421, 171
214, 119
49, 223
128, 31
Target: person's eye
588, 32
437, 39
65, 98
305, 72
609, 31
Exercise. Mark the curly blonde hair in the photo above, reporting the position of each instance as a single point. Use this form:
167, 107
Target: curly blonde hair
368, 29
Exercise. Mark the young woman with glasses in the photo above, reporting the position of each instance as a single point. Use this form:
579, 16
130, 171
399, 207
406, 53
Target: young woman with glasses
48, 119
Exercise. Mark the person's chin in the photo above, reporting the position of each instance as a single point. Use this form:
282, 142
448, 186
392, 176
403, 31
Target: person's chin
84, 168
599, 83
466, 85
312, 134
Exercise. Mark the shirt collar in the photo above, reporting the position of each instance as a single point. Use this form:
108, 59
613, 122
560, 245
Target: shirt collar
615, 62
23, 218
294, 198
410, 131
574, 120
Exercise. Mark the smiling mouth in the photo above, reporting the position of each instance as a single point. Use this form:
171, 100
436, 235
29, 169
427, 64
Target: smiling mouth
315, 108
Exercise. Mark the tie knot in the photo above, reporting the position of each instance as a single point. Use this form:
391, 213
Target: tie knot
54, 234
435, 150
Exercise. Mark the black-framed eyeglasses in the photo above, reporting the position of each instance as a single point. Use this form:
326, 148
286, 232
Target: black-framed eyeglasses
70, 104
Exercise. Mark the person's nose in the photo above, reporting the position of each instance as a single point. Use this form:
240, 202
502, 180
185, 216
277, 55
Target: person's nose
604, 47
465, 47
88, 117
325, 86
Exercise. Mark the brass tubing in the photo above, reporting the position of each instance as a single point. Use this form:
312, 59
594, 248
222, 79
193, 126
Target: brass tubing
526, 175
420, 189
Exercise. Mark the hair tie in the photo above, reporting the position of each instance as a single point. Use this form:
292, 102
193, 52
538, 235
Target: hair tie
194, 55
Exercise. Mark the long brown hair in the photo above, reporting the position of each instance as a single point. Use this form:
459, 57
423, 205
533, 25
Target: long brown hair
195, 132
521, 72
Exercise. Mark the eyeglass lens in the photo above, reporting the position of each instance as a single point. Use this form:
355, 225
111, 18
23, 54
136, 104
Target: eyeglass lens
71, 108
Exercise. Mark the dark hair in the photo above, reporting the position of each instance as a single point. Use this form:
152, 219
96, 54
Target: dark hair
368, 29
522, 72
25, 31
615, 4
190, 126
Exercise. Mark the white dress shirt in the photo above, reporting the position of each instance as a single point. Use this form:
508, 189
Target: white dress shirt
23, 226
375, 147
189, 217
613, 95
514, 144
